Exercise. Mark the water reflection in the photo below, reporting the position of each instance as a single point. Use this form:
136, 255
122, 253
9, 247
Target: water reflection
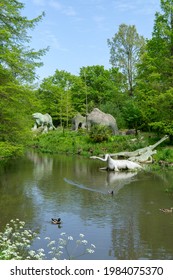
127, 225
112, 180
42, 165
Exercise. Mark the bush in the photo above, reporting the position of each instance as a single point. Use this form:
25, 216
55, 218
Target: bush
99, 133
9, 150
165, 155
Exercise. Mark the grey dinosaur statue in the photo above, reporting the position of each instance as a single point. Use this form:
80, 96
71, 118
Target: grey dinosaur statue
42, 122
78, 122
99, 117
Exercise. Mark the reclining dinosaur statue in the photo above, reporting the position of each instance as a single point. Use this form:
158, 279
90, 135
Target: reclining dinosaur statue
118, 165
143, 155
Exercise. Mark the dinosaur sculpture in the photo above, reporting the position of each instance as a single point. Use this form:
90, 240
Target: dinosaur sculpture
44, 122
99, 117
78, 121
143, 155
95, 117
117, 165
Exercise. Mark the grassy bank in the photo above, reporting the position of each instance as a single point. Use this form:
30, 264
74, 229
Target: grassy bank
72, 142
83, 143
64, 141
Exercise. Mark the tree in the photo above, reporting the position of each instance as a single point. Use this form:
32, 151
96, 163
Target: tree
96, 80
17, 65
55, 93
101, 84
155, 73
15, 54
125, 49
160, 47
132, 114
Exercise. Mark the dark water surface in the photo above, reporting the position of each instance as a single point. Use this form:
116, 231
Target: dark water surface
127, 225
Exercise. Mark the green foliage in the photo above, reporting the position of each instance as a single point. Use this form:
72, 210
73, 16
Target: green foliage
15, 113
99, 133
79, 142
125, 49
16, 241
155, 74
17, 65
63, 94
137, 90
56, 96
132, 114
15, 54
163, 118
9, 150
100, 85
165, 155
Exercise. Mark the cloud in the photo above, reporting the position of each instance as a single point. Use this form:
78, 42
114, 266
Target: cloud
56, 5
52, 41
66, 10
69, 11
39, 2
136, 6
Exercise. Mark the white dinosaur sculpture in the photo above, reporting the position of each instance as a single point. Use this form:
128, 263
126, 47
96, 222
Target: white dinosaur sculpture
43, 121
117, 165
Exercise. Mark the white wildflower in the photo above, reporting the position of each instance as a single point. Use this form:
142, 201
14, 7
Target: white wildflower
32, 253
51, 243
47, 238
84, 242
90, 251
70, 238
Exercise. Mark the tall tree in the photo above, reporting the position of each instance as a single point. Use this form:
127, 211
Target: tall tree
125, 49
155, 73
17, 64
161, 44
15, 53
55, 92
101, 84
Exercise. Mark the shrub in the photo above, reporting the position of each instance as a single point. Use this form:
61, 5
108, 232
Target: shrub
165, 155
9, 150
99, 133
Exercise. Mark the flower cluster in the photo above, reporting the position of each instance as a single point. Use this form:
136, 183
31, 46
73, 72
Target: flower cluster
15, 243
15, 240
70, 248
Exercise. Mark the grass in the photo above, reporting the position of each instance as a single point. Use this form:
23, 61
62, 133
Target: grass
80, 142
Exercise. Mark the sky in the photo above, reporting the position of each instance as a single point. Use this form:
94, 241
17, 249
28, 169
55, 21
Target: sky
76, 31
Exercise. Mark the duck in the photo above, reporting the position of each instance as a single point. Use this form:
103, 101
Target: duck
166, 210
111, 192
56, 221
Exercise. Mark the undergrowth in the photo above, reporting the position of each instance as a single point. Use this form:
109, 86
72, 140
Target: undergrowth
83, 143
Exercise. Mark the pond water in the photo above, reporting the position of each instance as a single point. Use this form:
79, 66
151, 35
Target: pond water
125, 225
